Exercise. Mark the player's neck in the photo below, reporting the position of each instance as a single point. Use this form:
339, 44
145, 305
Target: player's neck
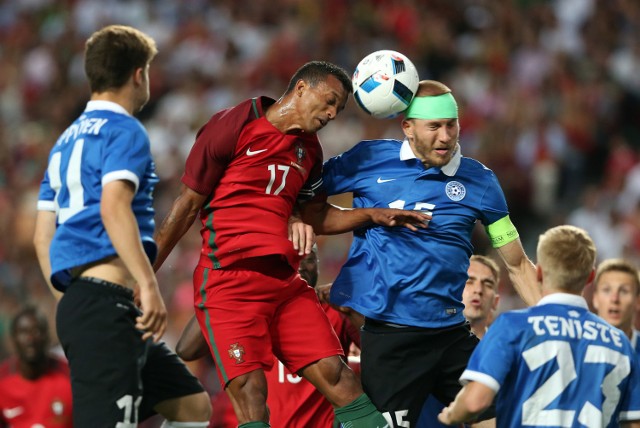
121, 98
479, 328
34, 370
283, 115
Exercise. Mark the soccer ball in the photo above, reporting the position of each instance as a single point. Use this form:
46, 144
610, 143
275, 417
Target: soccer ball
384, 83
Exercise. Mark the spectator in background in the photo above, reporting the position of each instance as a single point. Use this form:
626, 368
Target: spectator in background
35, 389
616, 296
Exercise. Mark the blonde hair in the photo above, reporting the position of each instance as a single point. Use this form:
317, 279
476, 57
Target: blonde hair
566, 255
618, 265
428, 88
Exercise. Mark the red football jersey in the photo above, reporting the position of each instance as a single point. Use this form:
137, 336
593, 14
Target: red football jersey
43, 402
253, 174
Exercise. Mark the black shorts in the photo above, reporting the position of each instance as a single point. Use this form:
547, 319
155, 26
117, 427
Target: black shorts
401, 366
115, 376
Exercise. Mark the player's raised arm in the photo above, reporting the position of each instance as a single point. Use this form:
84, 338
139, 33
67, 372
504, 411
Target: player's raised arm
522, 272
177, 222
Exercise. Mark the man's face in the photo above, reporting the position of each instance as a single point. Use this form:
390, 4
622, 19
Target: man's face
480, 296
616, 299
320, 104
432, 141
309, 268
30, 340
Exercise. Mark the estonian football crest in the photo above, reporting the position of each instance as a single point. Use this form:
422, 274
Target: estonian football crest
455, 191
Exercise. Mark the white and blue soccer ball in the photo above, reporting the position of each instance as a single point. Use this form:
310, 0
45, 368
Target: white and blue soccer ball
384, 83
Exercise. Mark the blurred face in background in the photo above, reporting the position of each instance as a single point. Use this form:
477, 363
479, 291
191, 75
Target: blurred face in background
480, 295
308, 269
30, 340
616, 299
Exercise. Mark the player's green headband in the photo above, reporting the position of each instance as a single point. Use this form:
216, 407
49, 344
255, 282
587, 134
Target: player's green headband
433, 107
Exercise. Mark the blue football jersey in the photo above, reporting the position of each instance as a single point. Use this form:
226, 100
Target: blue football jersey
104, 144
635, 341
558, 365
397, 275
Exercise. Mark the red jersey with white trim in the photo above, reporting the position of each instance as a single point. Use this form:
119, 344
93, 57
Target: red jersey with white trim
253, 174
293, 401
45, 401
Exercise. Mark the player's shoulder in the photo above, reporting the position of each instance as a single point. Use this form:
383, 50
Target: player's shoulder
472, 165
377, 146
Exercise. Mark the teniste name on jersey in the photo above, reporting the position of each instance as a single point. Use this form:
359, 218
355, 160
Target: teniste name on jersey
554, 325
84, 126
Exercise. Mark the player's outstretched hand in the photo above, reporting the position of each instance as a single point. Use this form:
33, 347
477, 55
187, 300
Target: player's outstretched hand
301, 235
395, 217
153, 321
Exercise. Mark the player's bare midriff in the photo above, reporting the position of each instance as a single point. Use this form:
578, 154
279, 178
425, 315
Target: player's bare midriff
112, 269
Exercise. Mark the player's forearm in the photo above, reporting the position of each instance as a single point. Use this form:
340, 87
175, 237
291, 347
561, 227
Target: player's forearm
522, 272
332, 220
181, 216
525, 282
470, 402
122, 227
44, 231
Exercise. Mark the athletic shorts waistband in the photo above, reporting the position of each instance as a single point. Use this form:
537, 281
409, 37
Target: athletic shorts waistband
392, 327
111, 287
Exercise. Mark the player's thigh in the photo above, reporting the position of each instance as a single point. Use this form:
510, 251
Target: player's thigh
234, 309
397, 369
455, 351
300, 330
168, 382
105, 353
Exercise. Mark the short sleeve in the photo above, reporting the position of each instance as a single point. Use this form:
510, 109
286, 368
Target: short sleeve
339, 172
493, 358
46, 196
494, 204
127, 155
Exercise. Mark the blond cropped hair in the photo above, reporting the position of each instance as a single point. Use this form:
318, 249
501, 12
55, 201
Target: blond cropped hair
566, 255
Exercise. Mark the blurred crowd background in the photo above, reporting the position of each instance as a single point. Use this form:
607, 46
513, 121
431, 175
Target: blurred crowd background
549, 92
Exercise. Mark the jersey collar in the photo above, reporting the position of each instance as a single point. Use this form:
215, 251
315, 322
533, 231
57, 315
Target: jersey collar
564, 299
635, 336
106, 105
449, 169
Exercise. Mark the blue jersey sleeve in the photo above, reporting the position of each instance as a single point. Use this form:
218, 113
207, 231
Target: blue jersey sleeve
494, 204
494, 356
46, 197
126, 155
340, 172
630, 403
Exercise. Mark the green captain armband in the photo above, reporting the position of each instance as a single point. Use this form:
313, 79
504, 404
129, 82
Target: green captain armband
502, 232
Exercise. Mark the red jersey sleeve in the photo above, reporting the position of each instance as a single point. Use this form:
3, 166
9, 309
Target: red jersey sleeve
215, 144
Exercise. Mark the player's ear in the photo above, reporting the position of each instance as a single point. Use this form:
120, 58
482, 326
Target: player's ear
138, 76
407, 128
539, 273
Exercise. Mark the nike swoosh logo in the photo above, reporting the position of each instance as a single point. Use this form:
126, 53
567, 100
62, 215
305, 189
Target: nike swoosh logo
252, 153
12, 413
380, 180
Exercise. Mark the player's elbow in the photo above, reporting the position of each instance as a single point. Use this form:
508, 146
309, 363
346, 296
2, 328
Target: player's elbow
477, 398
